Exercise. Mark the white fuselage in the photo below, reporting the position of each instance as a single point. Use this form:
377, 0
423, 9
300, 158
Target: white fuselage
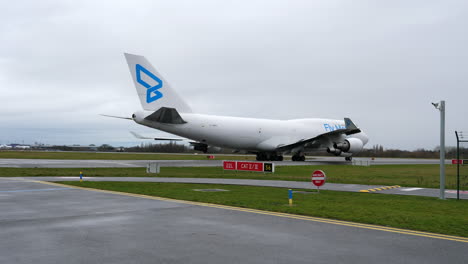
250, 134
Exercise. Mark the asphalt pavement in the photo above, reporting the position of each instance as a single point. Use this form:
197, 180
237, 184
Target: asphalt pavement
44, 223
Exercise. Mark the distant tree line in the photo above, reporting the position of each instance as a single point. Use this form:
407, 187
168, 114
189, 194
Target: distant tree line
170, 147
69, 148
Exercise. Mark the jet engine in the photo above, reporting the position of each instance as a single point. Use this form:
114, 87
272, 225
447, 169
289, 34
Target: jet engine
334, 151
350, 145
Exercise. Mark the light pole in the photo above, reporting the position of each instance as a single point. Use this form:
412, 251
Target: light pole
441, 107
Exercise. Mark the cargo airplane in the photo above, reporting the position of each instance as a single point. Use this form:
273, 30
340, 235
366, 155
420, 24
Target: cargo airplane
165, 110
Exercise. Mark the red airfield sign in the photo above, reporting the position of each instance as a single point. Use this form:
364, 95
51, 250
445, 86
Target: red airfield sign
249, 166
318, 178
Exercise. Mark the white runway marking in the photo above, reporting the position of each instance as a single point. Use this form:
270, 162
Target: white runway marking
411, 189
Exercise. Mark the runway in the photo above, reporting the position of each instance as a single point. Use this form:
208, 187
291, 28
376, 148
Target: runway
428, 192
54, 224
56, 163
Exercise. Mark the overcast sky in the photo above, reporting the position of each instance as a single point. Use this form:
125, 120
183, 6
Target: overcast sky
380, 63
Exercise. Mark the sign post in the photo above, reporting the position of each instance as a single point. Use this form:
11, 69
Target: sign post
290, 194
318, 179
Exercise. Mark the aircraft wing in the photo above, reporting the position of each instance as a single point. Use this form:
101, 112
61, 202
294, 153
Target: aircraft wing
350, 128
155, 138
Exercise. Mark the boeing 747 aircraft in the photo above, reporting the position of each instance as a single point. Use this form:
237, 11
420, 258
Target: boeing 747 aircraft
165, 110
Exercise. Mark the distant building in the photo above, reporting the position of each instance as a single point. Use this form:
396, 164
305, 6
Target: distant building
15, 146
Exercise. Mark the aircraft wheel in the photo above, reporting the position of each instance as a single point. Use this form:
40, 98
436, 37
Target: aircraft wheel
349, 158
302, 158
276, 157
261, 156
272, 157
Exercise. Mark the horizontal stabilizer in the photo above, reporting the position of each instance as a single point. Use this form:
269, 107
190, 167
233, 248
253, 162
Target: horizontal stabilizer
121, 117
166, 115
155, 138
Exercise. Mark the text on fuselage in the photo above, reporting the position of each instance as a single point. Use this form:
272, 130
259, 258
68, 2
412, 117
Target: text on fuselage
329, 127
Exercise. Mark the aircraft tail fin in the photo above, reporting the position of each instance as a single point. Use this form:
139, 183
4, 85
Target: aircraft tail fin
154, 91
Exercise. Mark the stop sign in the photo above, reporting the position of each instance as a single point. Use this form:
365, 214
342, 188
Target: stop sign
318, 178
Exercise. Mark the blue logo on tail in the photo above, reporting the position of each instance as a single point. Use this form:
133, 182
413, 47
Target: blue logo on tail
152, 94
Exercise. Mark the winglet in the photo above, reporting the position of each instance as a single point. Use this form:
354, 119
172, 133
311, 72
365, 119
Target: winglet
349, 124
351, 128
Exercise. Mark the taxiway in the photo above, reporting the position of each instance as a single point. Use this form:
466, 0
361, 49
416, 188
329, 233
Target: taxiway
43, 223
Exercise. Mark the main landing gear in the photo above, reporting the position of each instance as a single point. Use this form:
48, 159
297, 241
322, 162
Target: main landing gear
263, 156
298, 157
269, 156
348, 158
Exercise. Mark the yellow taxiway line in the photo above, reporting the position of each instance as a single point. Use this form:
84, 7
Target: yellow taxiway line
285, 215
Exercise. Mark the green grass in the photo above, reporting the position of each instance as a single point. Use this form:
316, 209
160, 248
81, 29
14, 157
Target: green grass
404, 175
409, 212
112, 156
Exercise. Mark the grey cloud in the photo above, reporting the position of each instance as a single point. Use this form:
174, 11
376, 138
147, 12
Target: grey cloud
380, 63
